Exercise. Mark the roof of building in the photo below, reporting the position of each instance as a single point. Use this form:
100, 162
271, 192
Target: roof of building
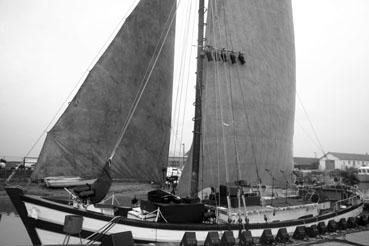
10, 164
304, 160
349, 156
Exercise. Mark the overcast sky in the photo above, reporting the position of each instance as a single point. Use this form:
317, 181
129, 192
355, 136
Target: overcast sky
47, 46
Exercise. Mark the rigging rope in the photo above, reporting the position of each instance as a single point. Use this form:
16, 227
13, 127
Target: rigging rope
145, 82
229, 89
186, 92
307, 135
177, 106
83, 76
97, 235
216, 105
188, 80
220, 101
311, 124
85, 73
247, 120
205, 146
205, 105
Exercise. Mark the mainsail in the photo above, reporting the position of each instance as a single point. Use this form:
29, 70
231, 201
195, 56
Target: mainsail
248, 110
82, 139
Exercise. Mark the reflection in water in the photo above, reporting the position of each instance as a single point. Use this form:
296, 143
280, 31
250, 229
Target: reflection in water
6, 205
12, 231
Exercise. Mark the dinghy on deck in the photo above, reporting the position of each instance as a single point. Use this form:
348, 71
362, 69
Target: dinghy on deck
65, 182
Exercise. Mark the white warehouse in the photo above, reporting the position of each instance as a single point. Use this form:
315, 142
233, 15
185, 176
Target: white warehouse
335, 160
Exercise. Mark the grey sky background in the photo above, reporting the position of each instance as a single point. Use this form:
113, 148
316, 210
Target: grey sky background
46, 47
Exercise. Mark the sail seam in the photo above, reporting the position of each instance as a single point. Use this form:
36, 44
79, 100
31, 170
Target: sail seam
216, 105
140, 92
247, 120
221, 105
84, 75
229, 90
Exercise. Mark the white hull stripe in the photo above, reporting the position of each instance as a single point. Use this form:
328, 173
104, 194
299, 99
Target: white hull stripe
189, 227
53, 220
45, 229
42, 215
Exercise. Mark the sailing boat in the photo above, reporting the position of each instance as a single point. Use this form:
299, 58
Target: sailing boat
242, 132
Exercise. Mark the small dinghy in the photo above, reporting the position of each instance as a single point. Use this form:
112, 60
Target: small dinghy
65, 182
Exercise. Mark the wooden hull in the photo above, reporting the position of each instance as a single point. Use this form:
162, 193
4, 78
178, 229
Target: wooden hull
44, 220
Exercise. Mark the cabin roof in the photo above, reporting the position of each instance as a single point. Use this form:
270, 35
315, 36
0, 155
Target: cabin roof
350, 156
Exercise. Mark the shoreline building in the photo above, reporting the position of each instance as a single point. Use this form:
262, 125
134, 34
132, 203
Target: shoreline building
337, 160
306, 163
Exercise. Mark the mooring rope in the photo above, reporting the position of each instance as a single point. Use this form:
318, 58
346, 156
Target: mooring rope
101, 231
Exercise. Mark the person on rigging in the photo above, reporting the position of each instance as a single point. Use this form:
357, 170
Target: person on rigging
223, 55
241, 58
232, 56
208, 53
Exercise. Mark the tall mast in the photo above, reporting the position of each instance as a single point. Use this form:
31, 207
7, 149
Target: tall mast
197, 120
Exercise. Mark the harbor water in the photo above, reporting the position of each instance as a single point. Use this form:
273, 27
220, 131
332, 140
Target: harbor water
12, 231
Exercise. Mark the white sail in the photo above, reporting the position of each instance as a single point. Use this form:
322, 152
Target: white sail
83, 138
248, 110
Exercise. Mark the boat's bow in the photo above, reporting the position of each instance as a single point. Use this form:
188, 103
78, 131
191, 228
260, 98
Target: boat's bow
16, 193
